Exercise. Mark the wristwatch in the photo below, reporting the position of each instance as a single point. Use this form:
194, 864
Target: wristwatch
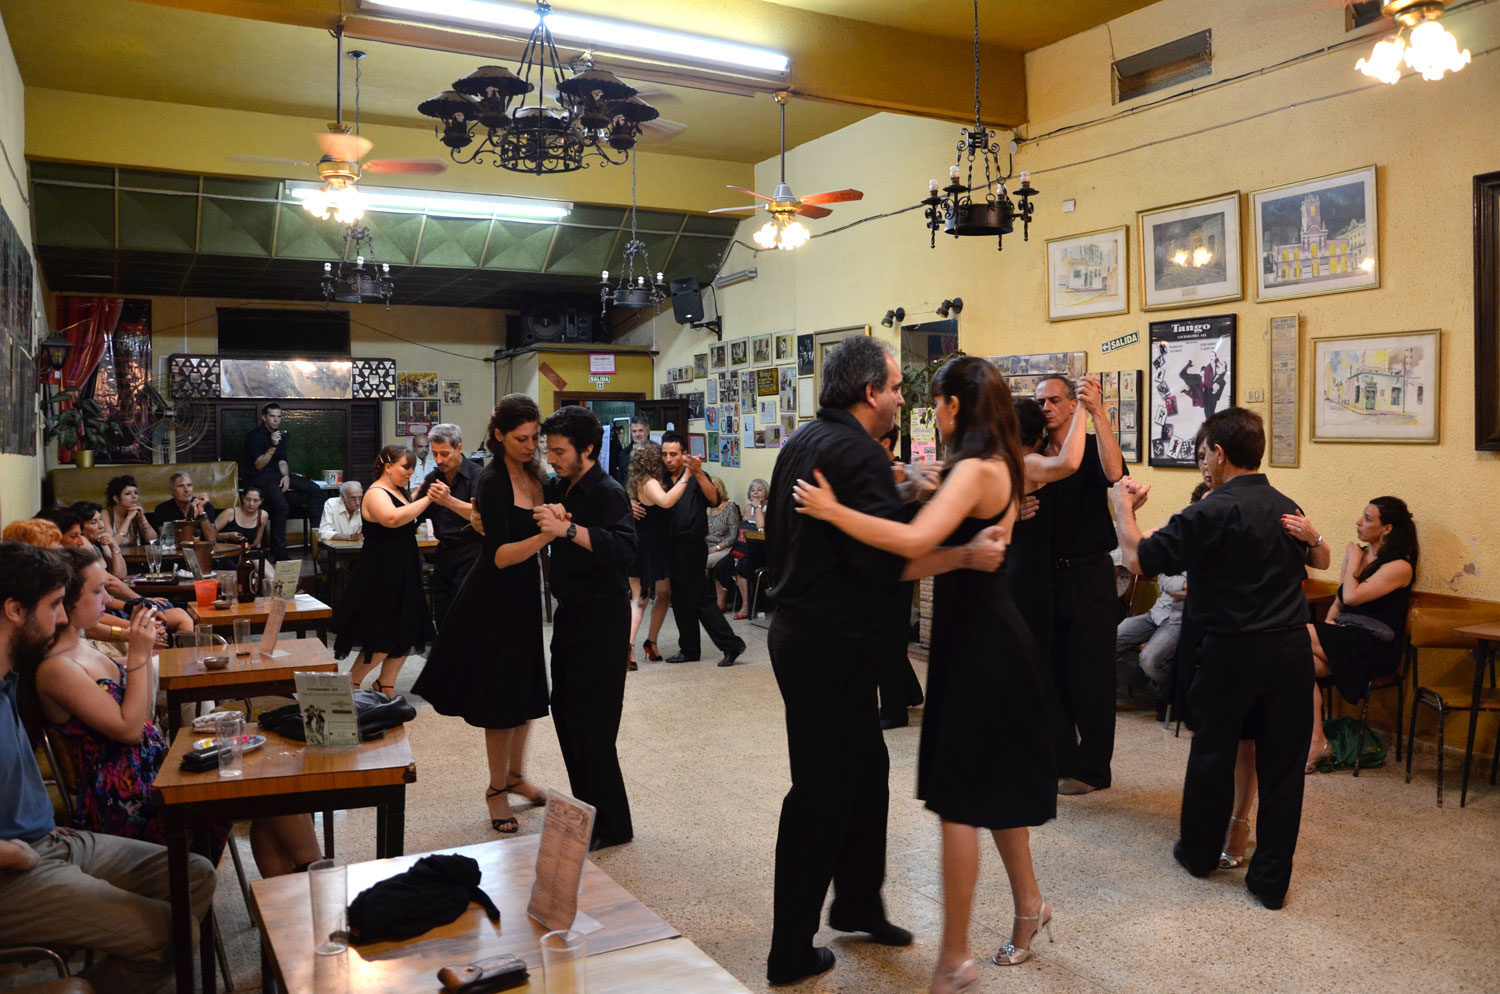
572, 531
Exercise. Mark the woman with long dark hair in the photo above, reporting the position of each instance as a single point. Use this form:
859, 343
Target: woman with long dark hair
653, 543
489, 670
124, 514
986, 758
383, 606
1361, 637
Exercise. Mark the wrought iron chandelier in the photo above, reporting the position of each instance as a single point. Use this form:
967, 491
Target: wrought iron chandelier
592, 112
956, 210
354, 284
632, 290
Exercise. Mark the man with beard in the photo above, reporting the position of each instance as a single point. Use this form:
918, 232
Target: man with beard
459, 545
60, 887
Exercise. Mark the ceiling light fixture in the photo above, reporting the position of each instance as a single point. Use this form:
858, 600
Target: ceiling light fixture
595, 32
355, 284
339, 197
1432, 51
435, 204
589, 114
955, 210
633, 289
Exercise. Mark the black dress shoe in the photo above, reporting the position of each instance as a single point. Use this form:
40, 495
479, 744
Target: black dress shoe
1181, 856
599, 842
882, 931
889, 723
818, 960
731, 655
1272, 901
678, 657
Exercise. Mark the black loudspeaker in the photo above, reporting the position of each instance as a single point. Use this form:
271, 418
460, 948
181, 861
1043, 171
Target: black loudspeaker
545, 324
687, 302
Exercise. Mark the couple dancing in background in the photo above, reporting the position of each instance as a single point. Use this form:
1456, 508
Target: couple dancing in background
839, 550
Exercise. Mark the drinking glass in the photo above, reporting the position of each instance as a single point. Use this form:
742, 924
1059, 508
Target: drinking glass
153, 557
329, 885
565, 962
228, 585
242, 636
229, 735
203, 637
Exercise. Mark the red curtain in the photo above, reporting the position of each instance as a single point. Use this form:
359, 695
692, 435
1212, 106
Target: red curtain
87, 322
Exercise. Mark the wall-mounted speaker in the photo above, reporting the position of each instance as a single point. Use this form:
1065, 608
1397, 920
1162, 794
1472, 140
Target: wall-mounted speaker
687, 302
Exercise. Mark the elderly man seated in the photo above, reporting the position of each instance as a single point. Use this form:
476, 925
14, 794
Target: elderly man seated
60, 887
1151, 666
341, 514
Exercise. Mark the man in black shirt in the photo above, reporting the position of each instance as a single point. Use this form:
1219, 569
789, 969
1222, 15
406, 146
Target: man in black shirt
689, 517
587, 514
827, 640
1084, 604
265, 466
459, 546
184, 505
1255, 668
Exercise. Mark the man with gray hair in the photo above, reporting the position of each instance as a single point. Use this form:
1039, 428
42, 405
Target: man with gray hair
341, 517
459, 545
184, 505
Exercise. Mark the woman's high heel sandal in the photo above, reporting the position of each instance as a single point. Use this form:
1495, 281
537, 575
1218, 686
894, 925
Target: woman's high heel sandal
531, 793
505, 826
1324, 756
964, 977
651, 652
1228, 860
1012, 955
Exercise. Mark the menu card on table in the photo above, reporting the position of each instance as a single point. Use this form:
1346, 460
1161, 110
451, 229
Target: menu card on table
327, 703
275, 615
284, 583
559, 864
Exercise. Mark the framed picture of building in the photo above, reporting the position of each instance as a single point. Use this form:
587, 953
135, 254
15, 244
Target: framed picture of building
1190, 253
1086, 275
1376, 388
1192, 376
1316, 236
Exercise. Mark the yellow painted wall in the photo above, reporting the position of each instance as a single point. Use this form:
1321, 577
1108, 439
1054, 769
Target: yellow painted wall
632, 375
1428, 139
20, 476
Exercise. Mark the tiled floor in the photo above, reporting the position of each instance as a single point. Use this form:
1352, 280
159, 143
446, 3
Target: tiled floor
1390, 893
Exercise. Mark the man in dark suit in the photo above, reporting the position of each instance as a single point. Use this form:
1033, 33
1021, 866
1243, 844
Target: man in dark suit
459, 546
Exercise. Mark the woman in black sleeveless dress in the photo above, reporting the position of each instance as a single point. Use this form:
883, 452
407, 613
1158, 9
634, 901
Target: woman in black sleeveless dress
986, 757
653, 545
383, 606
1361, 637
489, 668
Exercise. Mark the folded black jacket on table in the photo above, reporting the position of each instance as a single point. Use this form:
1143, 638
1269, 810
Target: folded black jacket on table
433, 892
376, 712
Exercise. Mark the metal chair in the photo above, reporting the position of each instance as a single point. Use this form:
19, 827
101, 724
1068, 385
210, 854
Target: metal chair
1430, 625
65, 983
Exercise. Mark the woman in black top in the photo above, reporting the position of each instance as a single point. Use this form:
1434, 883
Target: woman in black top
652, 570
1361, 637
247, 522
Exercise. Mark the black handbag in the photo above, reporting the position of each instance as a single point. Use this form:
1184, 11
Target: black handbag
433, 892
376, 713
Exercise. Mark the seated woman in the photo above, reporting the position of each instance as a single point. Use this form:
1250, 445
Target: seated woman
746, 556
104, 715
245, 522
124, 514
1361, 638
723, 527
91, 517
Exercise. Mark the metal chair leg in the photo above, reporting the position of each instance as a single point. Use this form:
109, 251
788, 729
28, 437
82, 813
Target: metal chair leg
1400, 706
1411, 737
239, 871
1442, 720
1364, 714
223, 959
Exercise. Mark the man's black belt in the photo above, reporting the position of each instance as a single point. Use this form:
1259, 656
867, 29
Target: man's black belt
1088, 559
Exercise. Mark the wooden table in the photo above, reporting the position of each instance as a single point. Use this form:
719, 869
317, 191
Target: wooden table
343, 551
281, 778
185, 679
303, 613
1488, 636
221, 550
635, 951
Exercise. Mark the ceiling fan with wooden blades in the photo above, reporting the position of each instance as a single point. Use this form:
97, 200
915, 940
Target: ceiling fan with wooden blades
783, 230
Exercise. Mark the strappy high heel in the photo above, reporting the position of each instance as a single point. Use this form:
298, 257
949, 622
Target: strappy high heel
952, 982
1012, 955
1229, 861
505, 826
651, 652
630, 663
535, 796
388, 689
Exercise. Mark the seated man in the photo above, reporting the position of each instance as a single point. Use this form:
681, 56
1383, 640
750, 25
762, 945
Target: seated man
1151, 667
341, 518
184, 505
59, 887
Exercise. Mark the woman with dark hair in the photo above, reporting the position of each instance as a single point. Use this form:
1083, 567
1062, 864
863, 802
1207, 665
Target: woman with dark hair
383, 605
98, 532
986, 758
499, 684
247, 521
123, 511
653, 543
1361, 637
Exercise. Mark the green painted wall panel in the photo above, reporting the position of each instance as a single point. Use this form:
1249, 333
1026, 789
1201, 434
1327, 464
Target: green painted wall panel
157, 222
74, 217
519, 246
237, 227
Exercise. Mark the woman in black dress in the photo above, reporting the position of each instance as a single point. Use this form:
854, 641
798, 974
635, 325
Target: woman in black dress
499, 684
383, 606
653, 546
986, 757
1361, 637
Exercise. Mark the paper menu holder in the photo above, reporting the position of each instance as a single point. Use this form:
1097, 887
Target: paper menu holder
566, 829
275, 615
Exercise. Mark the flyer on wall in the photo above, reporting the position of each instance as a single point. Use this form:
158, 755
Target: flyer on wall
1192, 376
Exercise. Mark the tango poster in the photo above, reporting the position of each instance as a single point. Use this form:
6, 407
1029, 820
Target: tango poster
1192, 376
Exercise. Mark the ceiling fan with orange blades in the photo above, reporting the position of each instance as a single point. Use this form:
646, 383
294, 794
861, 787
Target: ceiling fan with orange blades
783, 230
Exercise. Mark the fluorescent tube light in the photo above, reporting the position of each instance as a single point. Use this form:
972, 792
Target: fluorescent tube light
447, 204
594, 32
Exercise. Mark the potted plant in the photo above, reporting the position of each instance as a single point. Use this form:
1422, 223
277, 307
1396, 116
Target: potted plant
84, 427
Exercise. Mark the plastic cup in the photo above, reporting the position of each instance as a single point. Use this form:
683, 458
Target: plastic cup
229, 732
242, 636
565, 962
206, 591
329, 886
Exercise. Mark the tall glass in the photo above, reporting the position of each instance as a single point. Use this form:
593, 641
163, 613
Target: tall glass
203, 638
229, 736
329, 885
153, 556
242, 636
565, 962
228, 585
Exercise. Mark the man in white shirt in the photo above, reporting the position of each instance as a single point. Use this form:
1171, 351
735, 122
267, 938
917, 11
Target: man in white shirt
341, 514
421, 450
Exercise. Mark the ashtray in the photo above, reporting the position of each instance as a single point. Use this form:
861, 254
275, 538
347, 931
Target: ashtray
215, 662
222, 605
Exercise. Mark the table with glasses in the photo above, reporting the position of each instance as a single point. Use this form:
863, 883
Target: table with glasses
183, 676
283, 777
303, 613
635, 952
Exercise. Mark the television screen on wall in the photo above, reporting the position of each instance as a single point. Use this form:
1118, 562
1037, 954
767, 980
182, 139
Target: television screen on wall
313, 333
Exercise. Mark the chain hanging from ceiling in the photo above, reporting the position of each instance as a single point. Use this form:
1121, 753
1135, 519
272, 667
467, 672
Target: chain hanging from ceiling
632, 289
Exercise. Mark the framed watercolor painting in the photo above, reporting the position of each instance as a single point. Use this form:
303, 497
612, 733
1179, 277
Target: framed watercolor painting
1316, 236
1376, 388
1086, 275
1190, 253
